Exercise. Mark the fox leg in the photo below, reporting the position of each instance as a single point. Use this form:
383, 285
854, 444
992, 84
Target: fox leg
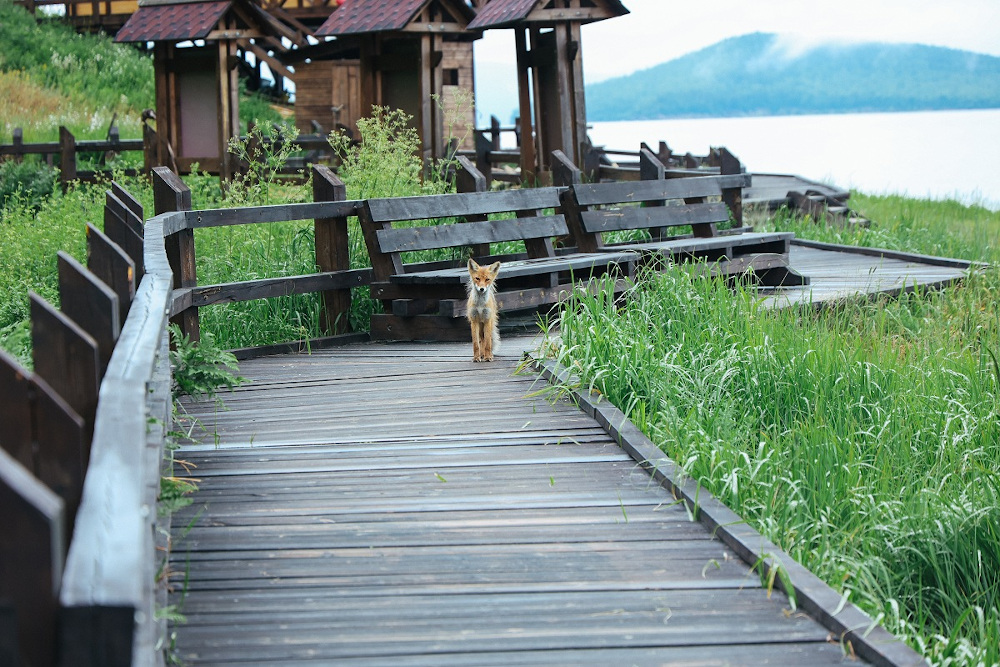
477, 341
487, 340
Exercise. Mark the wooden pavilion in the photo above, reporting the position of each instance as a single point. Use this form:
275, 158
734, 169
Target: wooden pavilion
550, 73
410, 50
197, 102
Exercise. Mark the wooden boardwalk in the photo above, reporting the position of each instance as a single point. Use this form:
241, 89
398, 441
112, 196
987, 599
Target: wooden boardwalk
396, 504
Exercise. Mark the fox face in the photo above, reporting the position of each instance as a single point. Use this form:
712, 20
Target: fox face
482, 278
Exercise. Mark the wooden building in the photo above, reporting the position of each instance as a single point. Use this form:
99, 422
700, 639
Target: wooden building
409, 51
197, 102
550, 73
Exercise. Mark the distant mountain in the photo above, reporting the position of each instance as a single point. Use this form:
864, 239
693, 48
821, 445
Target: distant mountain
765, 74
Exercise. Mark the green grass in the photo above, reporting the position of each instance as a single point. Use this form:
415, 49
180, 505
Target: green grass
864, 440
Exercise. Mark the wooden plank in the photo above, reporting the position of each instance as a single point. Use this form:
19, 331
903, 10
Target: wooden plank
605, 220
119, 232
593, 194
470, 233
126, 198
91, 304
16, 437
32, 548
112, 266
582, 264
66, 358
461, 204
206, 295
120, 209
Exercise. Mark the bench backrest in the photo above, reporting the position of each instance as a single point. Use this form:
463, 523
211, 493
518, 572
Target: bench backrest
594, 208
385, 243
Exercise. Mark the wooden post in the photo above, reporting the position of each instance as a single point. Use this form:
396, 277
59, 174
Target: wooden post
91, 304
170, 194
528, 168
650, 167
32, 552
332, 250
564, 172
732, 197
67, 154
149, 148
470, 179
495, 133
18, 144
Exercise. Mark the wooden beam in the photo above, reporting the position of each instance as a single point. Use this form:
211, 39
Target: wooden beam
268, 58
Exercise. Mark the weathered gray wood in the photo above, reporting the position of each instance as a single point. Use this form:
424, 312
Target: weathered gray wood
408, 239
112, 265
107, 595
593, 194
170, 194
32, 549
606, 220
461, 204
66, 358
91, 304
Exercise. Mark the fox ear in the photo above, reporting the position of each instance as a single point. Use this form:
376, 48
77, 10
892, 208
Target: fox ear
494, 268
473, 267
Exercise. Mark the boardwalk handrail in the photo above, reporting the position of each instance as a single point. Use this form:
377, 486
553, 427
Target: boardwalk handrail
108, 582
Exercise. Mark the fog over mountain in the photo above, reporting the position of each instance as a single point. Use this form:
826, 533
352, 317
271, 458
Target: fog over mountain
767, 74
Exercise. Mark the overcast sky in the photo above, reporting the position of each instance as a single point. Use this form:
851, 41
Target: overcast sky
660, 30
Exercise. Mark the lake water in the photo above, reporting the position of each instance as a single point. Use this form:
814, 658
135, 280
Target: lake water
935, 154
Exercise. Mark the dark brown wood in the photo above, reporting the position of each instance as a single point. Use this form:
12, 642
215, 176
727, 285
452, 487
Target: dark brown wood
124, 235
332, 251
66, 358
91, 304
732, 197
16, 437
468, 178
67, 157
593, 194
32, 549
650, 166
170, 194
125, 209
266, 288
112, 265
564, 171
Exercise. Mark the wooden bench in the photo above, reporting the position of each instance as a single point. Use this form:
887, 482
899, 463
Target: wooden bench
661, 206
426, 300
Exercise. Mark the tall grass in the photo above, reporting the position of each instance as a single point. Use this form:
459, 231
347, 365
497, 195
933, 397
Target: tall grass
864, 440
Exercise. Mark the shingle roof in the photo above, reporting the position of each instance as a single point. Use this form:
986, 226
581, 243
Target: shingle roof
361, 16
358, 16
507, 13
174, 22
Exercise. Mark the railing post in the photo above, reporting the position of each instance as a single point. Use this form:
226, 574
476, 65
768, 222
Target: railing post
32, 552
564, 172
67, 154
18, 144
112, 265
332, 250
170, 194
650, 166
495, 132
732, 197
469, 179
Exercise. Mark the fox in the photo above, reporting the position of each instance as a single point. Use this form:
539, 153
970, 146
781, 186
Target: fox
481, 310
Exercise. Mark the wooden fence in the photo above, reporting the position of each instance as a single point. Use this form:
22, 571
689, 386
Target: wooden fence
81, 456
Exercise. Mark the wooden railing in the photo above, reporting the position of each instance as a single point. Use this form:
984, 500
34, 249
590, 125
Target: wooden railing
82, 448
68, 148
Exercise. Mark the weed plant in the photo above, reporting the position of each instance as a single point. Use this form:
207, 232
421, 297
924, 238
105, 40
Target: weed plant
864, 440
